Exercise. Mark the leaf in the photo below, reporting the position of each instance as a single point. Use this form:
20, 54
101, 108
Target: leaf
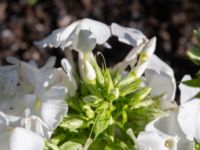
102, 122
194, 55
70, 145
194, 82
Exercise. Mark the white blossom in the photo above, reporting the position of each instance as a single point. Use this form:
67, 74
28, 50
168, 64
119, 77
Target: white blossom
189, 111
82, 35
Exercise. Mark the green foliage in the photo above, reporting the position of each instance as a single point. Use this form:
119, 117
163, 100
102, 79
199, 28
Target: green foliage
193, 83
101, 112
194, 52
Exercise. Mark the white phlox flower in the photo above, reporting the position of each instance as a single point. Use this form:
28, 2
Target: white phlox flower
82, 35
157, 139
150, 140
189, 111
169, 125
37, 103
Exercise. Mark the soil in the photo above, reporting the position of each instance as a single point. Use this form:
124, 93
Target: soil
171, 21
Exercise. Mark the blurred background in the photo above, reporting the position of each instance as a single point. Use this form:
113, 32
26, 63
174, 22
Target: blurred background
171, 21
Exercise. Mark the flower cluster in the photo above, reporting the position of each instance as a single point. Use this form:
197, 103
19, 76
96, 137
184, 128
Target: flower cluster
84, 106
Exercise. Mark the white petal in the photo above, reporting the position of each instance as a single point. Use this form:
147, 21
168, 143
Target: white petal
160, 83
161, 66
145, 55
187, 92
100, 30
189, 119
49, 64
37, 125
8, 81
130, 59
30, 75
4, 122
160, 77
14, 108
58, 37
53, 107
22, 139
81, 35
84, 41
129, 36
66, 65
150, 140
169, 125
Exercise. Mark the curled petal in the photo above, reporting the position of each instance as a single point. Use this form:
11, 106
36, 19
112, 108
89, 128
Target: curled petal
128, 36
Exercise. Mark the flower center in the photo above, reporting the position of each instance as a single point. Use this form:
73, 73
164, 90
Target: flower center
169, 143
37, 103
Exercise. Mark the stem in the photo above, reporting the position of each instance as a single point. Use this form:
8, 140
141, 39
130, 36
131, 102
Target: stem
88, 143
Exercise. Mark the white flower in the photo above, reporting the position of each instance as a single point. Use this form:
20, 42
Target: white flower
17, 138
150, 140
41, 93
169, 125
189, 111
82, 35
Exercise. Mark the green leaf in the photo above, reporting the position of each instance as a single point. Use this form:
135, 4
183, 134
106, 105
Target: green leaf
70, 145
102, 122
194, 82
194, 55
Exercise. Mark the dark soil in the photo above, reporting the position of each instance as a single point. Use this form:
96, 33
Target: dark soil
171, 21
